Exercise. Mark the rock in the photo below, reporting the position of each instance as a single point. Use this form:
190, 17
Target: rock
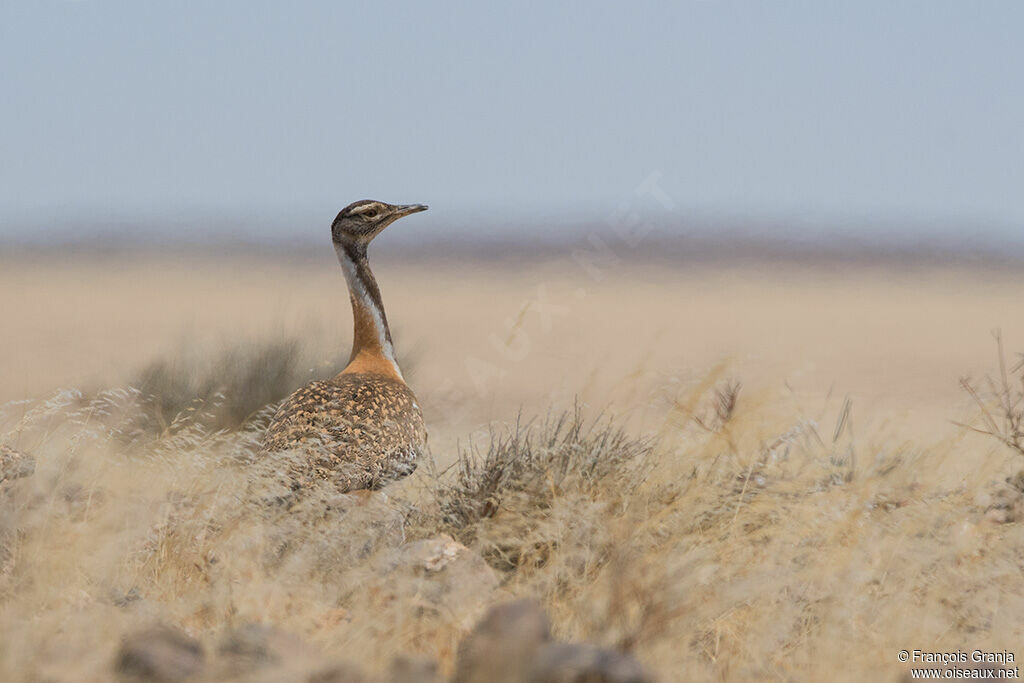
339, 672
576, 663
159, 653
256, 644
503, 644
433, 554
15, 465
512, 644
413, 670
258, 653
439, 574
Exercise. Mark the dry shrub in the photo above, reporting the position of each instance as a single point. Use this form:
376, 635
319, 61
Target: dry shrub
225, 390
1000, 400
527, 472
564, 452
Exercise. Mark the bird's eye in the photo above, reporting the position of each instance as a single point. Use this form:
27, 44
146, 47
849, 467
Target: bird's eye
372, 213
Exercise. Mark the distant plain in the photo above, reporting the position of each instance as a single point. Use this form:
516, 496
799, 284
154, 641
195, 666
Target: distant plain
514, 332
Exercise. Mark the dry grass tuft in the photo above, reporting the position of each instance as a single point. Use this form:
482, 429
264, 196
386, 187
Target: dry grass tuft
513, 502
1001, 400
563, 454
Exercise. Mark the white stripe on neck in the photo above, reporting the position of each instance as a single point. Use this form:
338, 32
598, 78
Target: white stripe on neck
356, 287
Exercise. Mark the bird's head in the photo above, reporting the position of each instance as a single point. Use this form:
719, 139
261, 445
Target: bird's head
361, 221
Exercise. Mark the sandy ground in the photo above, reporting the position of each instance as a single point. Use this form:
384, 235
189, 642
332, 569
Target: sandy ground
498, 337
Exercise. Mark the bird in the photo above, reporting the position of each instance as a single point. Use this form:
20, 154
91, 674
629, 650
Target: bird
362, 428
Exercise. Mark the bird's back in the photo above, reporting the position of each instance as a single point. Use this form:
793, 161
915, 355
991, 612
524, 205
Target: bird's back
356, 430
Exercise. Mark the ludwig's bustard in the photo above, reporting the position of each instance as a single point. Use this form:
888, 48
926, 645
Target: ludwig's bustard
363, 427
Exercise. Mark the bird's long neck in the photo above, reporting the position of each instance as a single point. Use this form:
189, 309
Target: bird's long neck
372, 350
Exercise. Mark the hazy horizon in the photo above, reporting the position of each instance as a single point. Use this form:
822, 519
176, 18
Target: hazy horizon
654, 234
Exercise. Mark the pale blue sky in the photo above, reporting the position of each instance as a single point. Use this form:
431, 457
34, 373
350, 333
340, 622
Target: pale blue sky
890, 112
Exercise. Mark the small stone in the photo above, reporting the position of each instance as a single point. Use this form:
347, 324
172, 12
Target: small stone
576, 663
159, 653
504, 643
439, 574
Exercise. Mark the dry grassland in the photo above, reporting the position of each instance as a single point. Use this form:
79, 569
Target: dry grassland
746, 473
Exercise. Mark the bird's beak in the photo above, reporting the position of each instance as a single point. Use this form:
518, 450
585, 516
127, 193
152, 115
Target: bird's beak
406, 209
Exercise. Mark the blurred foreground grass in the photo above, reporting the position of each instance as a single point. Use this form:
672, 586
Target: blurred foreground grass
748, 538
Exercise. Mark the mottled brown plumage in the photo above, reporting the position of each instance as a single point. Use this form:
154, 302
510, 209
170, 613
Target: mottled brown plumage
362, 428
357, 431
